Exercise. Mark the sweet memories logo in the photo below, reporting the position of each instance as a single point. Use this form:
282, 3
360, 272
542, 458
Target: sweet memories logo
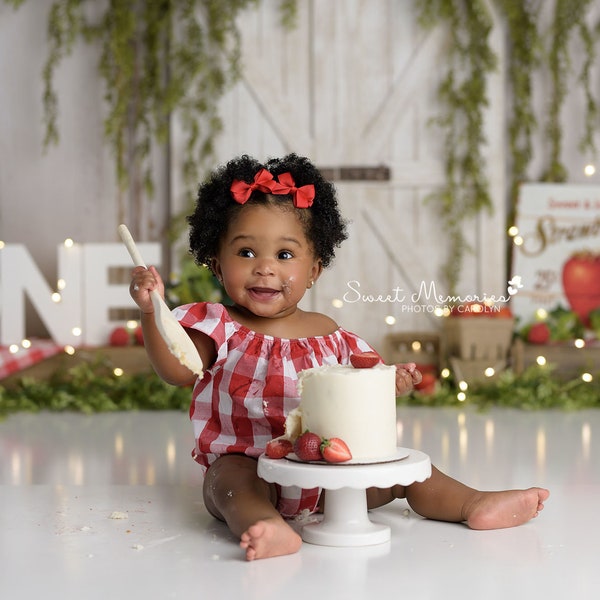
427, 299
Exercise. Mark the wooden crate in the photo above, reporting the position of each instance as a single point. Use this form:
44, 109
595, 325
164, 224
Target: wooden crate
568, 360
423, 348
474, 338
475, 369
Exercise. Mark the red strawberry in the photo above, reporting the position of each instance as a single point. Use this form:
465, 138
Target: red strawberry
539, 333
427, 385
335, 450
278, 448
364, 360
119, 337
308, 446
581, 283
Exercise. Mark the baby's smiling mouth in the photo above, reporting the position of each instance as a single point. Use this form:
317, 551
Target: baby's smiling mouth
263, 293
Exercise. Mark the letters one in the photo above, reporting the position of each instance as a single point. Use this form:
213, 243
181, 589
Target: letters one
82, 315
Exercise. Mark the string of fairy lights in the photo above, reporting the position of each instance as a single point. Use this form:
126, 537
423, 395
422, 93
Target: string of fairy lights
390, 320
26, 344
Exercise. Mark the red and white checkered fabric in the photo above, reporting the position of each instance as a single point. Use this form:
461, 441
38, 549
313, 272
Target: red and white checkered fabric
13, 362
244, 398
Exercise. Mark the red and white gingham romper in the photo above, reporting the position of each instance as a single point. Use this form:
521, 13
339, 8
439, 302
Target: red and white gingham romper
244, 397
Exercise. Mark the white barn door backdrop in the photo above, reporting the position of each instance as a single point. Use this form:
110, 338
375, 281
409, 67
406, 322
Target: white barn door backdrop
354, 86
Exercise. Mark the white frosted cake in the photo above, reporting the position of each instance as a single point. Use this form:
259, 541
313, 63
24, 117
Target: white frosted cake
356, 405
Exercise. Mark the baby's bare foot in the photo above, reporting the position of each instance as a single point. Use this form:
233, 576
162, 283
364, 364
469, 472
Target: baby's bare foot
496, 510
271, 537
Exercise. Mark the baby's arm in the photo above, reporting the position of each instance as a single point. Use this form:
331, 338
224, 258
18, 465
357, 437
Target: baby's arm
407, 376
164, 363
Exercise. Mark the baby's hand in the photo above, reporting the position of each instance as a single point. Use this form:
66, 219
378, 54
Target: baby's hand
407, 376
143, 281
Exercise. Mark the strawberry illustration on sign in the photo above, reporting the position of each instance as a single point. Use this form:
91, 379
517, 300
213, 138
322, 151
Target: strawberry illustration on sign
581, 283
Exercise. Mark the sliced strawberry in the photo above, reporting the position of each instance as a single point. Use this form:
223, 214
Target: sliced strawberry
335, 450
364, 360
278, 448
308, 446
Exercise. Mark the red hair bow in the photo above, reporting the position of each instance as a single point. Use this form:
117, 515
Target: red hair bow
263, 182
303, 196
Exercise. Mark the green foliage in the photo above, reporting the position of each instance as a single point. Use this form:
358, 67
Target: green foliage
93, 387
194, 284
524, 54
463, 95
568, 15
594, 318
564, 325
155, 58
464, 100
535, 389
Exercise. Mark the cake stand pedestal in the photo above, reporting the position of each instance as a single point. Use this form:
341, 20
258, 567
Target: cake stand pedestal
345, 517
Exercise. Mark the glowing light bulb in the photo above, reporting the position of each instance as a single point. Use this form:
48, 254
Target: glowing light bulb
489, 372
445, 373
589, 170
461, 396
69, 243
76, 331
26, 344
390, 320
518, 240
587, 377
337, 303
56, 297
61, 284
118, 372
416, 346
541, 360
463, 386
69, 350
13, 348
579, 343
513, 230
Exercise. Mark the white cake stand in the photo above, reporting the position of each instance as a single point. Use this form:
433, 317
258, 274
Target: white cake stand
345, 517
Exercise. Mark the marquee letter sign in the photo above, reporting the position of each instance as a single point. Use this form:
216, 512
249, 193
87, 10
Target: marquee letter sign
75, 313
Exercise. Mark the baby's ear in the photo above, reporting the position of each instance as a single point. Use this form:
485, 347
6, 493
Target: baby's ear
215, 267
316, 270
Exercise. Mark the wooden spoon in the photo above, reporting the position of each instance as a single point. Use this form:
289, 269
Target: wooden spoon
178, 341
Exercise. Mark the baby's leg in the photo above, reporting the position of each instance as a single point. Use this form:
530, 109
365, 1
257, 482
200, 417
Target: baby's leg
234, 493
445, 499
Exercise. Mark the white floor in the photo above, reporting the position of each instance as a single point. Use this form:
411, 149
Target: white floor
63, 475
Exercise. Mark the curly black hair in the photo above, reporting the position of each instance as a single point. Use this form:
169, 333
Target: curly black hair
323, 225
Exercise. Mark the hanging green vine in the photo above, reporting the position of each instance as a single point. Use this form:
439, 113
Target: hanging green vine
524, 52
156, 57
568, 15
589, 37
464, 97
